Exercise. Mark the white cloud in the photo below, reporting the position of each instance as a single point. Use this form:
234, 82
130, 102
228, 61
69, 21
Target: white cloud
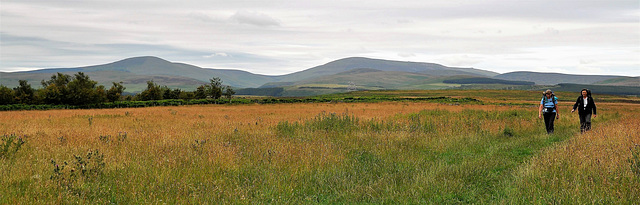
254, 18
460, 60
217, 55
283, 36
407, 55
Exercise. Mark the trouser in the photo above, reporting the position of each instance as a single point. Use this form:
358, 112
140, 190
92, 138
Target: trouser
585, 122
549, 117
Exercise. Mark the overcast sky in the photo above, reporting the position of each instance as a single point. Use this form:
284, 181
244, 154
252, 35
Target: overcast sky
277, 37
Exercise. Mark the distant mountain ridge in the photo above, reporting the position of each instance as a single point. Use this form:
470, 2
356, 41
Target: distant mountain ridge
346, 64
554, 78
146, 67
131, 71
362, 72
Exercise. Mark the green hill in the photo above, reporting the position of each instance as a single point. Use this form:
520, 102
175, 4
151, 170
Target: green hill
553, 78
479, 80
134, 72
370, 78
355, 73
621, 81
347, 64
154, 66
600, 89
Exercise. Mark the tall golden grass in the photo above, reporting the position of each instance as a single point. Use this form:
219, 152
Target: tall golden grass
589, 168
388, 152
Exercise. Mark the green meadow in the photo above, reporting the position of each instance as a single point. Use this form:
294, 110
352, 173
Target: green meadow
400, 152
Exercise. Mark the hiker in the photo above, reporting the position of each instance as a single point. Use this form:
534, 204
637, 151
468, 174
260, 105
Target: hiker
548, 108
585, 106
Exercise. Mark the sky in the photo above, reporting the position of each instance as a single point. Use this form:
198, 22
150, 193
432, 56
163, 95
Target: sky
275, 37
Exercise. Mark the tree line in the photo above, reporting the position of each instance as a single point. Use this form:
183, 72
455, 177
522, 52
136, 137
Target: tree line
79, 89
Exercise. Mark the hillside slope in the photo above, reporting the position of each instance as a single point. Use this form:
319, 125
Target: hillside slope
152, 66
347, 64
553, 78
621, 81
359, 71
371, 78
132, 71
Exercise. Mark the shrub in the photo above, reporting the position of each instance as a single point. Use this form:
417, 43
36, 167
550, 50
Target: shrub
286, 129
198, 146
82, 169
334, 122
508, 132
10, 145
635, 159
121, 137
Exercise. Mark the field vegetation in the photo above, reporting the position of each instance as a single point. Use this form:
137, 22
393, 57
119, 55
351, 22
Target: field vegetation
492, 149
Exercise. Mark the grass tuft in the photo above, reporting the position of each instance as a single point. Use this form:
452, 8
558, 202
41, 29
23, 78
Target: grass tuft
635, 160
10, 145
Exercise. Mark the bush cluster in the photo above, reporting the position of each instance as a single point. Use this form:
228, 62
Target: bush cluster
79, 91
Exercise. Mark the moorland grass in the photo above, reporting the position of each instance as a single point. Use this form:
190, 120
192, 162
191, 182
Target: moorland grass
387, 152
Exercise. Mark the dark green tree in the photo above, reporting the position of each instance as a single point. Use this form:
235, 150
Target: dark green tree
201, 92
153, 92
7, 95
56, 90
187, 95
85, 91
58, 79
24, 94
229, 92
171, 94
214, 88
115, 92
167, 93
99, 95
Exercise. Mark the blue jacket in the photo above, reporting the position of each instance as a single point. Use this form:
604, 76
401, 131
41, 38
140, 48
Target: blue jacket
548, 103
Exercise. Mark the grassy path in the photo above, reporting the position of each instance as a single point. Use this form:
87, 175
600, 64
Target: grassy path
319, 153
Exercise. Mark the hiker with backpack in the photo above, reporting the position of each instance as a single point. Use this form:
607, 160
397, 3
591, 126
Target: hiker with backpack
586, 106
549, 109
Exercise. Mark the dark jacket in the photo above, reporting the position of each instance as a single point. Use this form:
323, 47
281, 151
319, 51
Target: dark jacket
591, 106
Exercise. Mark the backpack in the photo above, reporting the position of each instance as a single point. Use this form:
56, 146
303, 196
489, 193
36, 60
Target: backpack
553, 99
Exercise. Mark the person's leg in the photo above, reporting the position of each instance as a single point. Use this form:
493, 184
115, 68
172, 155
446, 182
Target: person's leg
587, 122
583, 126
551, 120
548, 121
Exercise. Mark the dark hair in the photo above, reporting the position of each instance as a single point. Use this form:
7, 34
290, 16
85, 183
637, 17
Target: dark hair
588, 92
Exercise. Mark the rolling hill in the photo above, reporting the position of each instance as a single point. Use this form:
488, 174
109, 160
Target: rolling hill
138, 70
554, 78
365, 77
347, 64
134, 72
335, 76
621, 81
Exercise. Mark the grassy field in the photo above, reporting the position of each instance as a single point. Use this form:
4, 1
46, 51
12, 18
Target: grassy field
383, 152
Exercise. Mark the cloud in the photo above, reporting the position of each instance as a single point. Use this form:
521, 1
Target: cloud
552, 31
283, 36
217, 55
201, 17
460, 60
254, 18
407, 55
